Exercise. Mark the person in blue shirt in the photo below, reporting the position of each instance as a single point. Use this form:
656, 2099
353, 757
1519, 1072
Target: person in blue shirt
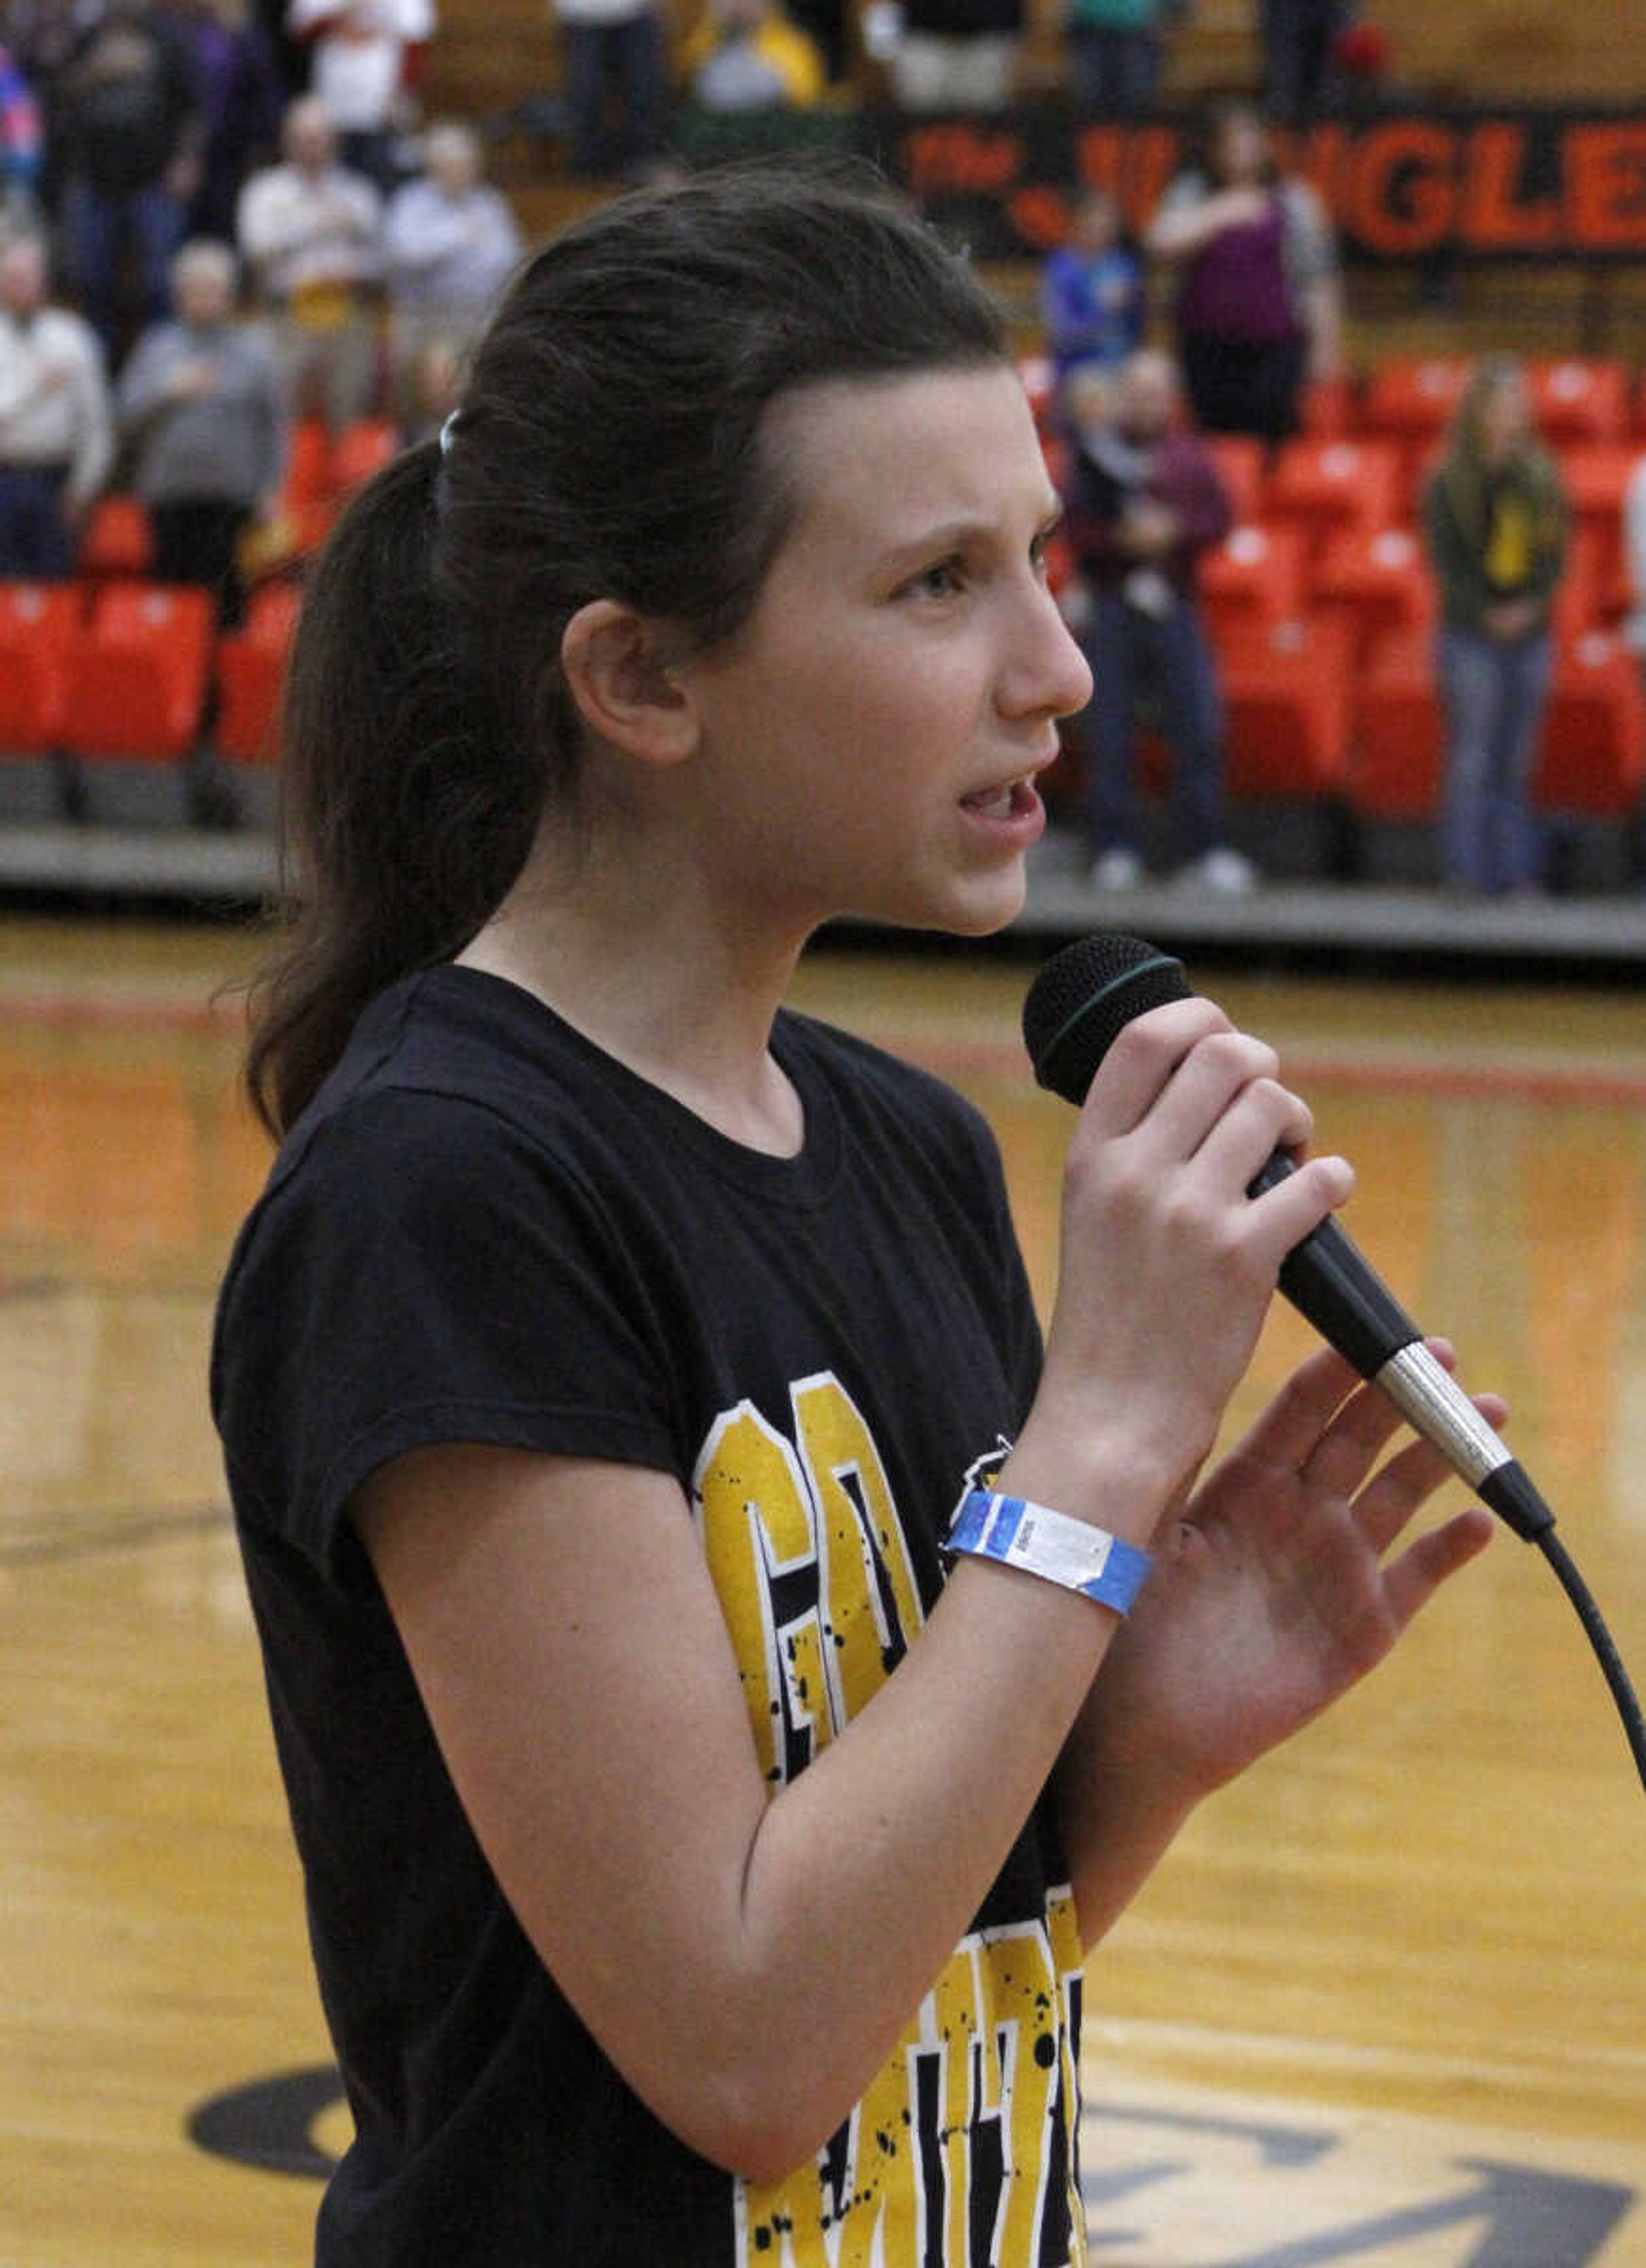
1091, 291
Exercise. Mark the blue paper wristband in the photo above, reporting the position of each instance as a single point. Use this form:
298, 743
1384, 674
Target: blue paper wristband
1069, 1552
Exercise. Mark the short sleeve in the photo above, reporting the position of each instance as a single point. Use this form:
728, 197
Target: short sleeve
424, 1271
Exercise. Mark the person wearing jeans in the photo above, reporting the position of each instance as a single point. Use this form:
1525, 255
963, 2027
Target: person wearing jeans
1494, 523
614, 53
1145, 501
1130, 648
1493, 690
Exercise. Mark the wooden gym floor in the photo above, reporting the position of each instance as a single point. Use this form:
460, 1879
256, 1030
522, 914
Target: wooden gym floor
1385, 2003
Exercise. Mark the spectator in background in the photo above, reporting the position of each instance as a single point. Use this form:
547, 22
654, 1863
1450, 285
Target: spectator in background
56, 438
1634, 626
1298, 39
366, 56
1259, 308
1494, 523
131, 131
957, 55
746, 54
1091, 291
1117, 48
22, 147
613, 58
39, 35
449, 242
1144, 503
199, 403
242, 100
309, 230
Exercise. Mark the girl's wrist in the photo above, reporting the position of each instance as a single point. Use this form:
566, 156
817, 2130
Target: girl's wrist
1110, 1480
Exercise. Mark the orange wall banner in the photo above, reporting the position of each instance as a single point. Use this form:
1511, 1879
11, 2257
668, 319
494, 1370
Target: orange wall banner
1534, 184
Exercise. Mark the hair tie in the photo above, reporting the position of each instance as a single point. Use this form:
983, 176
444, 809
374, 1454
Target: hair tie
446, 431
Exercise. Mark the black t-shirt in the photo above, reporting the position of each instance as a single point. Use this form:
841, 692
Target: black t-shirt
484, 1229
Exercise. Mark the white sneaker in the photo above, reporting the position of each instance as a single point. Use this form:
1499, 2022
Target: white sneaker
1226, 873
1117, 868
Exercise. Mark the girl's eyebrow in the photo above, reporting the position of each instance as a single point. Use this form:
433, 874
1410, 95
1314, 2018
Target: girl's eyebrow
957, 533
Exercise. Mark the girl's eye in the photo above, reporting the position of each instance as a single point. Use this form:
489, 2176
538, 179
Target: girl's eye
942, 580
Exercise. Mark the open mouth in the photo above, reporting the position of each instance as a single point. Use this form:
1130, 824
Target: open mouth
1012, 801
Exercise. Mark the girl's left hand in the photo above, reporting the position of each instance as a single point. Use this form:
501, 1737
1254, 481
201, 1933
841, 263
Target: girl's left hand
1270, 1594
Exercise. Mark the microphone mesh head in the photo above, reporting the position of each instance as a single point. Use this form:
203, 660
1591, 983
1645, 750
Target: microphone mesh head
1083, 997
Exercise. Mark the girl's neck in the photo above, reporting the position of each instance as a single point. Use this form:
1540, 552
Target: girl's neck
642, 966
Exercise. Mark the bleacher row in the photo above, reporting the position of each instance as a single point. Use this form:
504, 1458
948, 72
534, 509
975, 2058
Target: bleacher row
1319, 604
1321, 608
129, 680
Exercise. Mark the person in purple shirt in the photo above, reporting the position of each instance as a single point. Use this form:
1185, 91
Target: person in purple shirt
242, 100
1259, 309
1091, 291
1144, 501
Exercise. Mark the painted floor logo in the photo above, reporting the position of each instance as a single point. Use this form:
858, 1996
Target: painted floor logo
1181, 2178
1186, 2177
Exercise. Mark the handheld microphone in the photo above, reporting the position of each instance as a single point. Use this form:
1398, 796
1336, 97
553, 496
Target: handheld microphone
1075, 1008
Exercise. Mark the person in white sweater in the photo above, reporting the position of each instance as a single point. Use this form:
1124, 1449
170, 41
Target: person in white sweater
56, 434
309, 231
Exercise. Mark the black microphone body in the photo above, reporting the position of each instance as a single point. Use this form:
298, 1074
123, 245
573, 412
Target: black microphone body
1077, 1006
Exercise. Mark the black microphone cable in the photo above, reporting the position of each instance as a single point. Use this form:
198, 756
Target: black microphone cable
1075, 1007
1600, 1639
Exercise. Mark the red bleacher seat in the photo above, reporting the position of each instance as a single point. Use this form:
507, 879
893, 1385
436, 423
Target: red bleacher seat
1374, 581
250, 668
359, 450
1286, 692
1238, 458
306, 497
1252, 580
1592, 758
1411, 398
138, 677
1323, 486
1579, 399
116, 541
1577, 608
39, 625
322, 469
1327, 408
307, 447
1397, 734
1597, 477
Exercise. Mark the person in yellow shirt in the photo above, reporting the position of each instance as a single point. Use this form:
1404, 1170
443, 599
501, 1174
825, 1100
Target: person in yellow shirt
1495, 522
746, 54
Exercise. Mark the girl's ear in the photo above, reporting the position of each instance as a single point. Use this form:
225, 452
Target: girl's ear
617, 667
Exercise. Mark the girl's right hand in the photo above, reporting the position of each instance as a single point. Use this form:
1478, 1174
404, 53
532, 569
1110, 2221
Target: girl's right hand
1167, 1264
